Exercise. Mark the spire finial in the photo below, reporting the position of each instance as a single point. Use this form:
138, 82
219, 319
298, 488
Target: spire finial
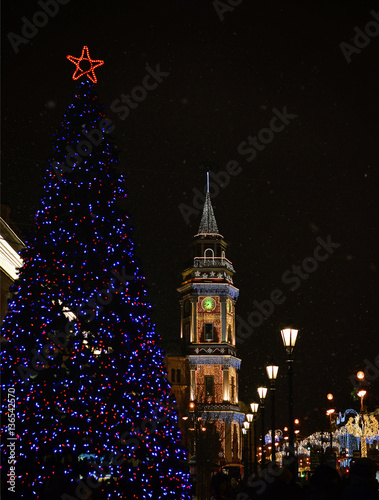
208, 224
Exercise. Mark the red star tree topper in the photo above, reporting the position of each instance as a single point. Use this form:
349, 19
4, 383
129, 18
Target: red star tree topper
90, 71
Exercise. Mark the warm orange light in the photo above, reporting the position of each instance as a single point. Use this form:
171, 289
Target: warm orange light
285, 429
289, 336
192, 405
254, 407
329, 412
297, 421
360, 375
362, 393
262, 392
330, 396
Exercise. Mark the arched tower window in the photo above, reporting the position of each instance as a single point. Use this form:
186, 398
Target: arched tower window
172, 375
229, 334
209, 253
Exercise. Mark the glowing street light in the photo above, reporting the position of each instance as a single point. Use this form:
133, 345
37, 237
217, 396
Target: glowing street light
262, 392
361, 394
254, 411
272, 373
330, 413
289, 336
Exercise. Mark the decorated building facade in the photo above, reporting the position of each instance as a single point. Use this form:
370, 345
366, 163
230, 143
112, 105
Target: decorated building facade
10, 261
204, 372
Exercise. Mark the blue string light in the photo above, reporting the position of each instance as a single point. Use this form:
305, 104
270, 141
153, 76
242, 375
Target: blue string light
103, 380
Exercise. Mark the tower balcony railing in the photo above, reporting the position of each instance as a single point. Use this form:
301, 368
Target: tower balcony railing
212, 406
213, 262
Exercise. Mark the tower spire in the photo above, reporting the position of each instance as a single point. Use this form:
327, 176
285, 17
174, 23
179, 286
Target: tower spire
208, 224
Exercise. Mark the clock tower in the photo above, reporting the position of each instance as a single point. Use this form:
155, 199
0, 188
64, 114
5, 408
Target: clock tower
207, 298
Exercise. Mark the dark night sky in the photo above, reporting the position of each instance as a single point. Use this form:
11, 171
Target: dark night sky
316, 178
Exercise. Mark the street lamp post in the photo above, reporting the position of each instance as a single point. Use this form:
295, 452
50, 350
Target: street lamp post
330, 412
198, 459
262, 392
297, 432
272, 372
246, 428
254, 410
364, 426
361, 394
244, 454
289, 336
250, 418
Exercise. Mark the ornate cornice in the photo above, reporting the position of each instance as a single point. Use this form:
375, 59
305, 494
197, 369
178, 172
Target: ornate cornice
211, 349
216, 289
213, 262
224, 360
216, 412
213, 276
223, 288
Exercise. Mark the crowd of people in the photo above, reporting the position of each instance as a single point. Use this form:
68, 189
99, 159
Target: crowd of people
277, 483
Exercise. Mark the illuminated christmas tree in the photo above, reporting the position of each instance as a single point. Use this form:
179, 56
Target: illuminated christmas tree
93, 415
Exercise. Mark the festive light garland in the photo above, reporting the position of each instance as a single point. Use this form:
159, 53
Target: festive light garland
365, 427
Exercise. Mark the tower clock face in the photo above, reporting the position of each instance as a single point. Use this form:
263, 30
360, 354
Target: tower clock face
208, 304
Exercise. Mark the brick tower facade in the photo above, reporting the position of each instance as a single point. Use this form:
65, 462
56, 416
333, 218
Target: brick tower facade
209, 363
